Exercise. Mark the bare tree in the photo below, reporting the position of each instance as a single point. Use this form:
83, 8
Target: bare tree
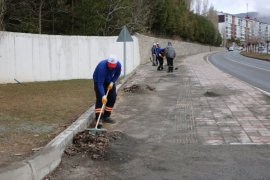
40, 16
2, 13
205, 7
141, 19
189, 4
198, 7
72, 16
213, 16
24, 15
114, 7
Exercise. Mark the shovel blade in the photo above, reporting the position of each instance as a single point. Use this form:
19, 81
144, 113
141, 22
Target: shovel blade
96, 130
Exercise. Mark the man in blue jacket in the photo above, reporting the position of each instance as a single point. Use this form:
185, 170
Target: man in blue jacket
105, 75
154, 51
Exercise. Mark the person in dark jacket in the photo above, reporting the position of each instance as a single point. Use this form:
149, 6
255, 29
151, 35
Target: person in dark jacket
157, 52
170, 55
105, 75
161, 55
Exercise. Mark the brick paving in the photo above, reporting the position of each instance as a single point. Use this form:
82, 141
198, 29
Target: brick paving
197, 104
231, 111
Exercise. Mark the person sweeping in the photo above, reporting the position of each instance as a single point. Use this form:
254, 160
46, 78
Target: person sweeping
105, 75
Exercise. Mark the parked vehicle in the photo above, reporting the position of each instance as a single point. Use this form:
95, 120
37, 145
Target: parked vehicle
265, 51
231, 48
240, 48
261, 49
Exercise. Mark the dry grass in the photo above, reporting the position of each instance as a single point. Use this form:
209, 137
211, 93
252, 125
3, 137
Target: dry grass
257, 55
31, 114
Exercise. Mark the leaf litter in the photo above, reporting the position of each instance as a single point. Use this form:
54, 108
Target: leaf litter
94, 146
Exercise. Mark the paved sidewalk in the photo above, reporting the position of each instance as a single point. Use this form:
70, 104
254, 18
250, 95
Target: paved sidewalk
215, 108
170, 122
231, 111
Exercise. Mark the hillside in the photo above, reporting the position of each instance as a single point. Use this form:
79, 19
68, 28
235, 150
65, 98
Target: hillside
253, 15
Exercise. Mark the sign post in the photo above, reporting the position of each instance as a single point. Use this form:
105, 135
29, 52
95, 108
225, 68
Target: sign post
124, 36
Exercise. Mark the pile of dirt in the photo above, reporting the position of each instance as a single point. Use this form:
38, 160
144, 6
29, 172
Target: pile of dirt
211, 94
132, 89
93, 146
136, 88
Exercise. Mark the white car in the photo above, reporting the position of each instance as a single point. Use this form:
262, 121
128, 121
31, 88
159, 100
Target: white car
231, 48
265, 51
240, 48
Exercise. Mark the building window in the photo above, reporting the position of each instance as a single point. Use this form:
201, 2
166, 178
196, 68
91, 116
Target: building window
221, 18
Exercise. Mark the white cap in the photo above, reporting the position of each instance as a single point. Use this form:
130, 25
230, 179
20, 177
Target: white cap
113, 59
112, 62
154, 44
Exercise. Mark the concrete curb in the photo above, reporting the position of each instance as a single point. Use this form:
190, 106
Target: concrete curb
262, 59
44, 162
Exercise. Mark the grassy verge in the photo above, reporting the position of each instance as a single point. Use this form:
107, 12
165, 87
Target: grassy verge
265, 57
32, 114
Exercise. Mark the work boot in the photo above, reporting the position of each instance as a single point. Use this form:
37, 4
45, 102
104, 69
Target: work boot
108, 120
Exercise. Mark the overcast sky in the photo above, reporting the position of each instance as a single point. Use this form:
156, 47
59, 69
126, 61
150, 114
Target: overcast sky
240, 6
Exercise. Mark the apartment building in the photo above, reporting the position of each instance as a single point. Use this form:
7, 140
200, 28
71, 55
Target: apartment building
244, 29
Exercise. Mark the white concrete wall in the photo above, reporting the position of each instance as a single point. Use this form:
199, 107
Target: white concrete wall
182, 48
32, 57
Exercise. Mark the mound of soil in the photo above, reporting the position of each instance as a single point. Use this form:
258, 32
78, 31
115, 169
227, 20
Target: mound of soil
138, 88
93, 146
132, 89
211, 94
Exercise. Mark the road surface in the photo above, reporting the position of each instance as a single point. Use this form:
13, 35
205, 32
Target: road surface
252, 71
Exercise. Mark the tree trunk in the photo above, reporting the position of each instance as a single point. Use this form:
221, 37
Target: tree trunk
53, 23
2, 12
72, 17
40, 16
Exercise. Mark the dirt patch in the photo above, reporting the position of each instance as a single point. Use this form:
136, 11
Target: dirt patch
89, 155
139, 88
132, 89
211, 94
93, 146
266, 98
220, 91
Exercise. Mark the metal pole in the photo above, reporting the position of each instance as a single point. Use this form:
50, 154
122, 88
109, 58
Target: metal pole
125, 35
124, 58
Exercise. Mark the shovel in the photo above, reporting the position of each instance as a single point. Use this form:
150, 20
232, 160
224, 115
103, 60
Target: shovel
96, 130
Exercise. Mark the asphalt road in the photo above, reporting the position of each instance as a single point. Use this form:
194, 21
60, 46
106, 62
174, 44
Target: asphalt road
252, 71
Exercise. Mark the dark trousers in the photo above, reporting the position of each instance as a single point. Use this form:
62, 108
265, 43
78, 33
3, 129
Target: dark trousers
160, 62
154, 60
170, 64
110, 103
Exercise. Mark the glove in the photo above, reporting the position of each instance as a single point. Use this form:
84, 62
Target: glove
110, 86
104, 99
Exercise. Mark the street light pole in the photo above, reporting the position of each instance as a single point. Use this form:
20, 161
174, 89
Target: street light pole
267, 46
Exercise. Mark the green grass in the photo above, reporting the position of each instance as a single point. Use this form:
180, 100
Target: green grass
31, 114
257, 55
